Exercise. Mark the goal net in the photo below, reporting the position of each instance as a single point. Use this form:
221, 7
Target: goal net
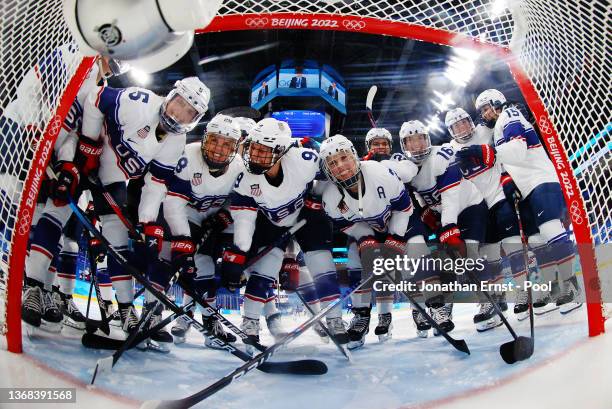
557, 51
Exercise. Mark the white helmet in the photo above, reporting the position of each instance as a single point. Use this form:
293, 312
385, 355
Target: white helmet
376, 133
268, 132
226, 127
332, 146
490, 97
452, 117
410, 129
246, 124
193, 91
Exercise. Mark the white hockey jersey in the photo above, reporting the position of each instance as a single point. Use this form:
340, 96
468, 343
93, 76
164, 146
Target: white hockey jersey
486, 179
386, 203
127, 120
193, 193
282, 204
520, 152
439, 184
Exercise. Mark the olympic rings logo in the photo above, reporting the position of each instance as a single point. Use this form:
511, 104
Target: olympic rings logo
544, 125
256, 22
55, 125
354, 24
24, 222
576, 213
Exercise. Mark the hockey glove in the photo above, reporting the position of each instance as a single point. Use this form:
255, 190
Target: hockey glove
87, 156
477, 154
65, 185
97, 250
510, 190
182, 253
394, 246
232, 267
289, 276
153, 237
450, 237
313, 202
431, 219
369, 250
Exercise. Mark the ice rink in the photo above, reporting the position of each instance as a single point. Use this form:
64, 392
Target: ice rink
567, 370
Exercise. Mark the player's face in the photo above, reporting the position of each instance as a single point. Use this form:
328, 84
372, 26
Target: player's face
380, 145
219, 148
181, 110
462, 129
342, 165
489, 113
415, 143
261, 155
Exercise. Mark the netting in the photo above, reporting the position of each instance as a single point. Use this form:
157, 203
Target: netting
560, 54
37, 63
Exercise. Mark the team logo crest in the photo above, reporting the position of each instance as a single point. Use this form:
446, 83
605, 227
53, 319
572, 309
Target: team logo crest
255, 190
197, 179
142, 133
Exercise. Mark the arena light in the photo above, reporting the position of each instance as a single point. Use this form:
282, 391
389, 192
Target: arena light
235, 54
140, 77
444, 100
497, 8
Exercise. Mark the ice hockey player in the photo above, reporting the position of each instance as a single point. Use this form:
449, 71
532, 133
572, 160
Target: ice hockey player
127, 134
502, 226
368, 202
197, 192
270, 197
518, 148
440, 187
47, 238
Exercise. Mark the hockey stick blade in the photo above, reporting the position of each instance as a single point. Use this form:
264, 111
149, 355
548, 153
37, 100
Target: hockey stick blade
302, 367
517, 350
369, 102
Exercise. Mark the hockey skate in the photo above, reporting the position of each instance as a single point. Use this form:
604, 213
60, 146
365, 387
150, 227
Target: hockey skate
181, 328
337, 329
161, 340
31, 307
359, 327
213, 325
384, 327
422, 326
501, 302
321, 332
251, 327
486, 318
275, 326
521, 307
73, 318
110, 309
442, 314
566, 302
51, 316
544, 305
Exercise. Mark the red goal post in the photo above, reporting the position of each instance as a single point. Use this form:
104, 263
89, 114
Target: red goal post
550, 49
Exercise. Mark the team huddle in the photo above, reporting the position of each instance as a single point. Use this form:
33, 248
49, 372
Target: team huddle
221, 207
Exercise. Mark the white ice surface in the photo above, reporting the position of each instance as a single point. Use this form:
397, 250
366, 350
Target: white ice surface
567, 370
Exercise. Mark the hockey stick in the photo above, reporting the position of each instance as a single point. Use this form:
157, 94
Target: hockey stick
342, 349
369, 101
182, 282
107, 364
253, 363
305, 367
513, 351
207, 308
522, 347
458, 344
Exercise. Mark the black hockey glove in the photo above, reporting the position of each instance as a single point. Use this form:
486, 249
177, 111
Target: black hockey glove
232, 267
